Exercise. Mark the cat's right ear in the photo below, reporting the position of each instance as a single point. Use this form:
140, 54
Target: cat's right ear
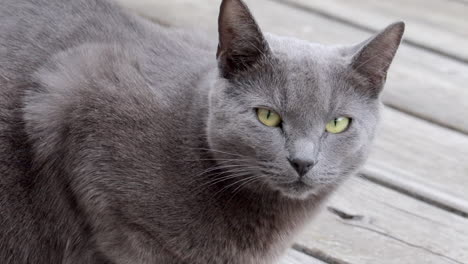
241, 42
373, 57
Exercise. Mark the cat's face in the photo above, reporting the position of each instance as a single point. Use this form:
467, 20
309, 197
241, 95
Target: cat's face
305, 87
308, 87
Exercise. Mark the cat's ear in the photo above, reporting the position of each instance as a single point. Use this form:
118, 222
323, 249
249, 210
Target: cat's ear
241, 42
373, 57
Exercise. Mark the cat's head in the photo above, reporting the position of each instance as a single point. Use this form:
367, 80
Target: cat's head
294, 116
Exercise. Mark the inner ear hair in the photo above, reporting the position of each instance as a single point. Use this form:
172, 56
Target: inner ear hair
241, 42
372, 58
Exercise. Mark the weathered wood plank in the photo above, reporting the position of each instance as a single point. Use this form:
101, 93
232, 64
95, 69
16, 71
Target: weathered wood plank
411, 151
296, 257
366, 223
414, 150
439, 25
420, 82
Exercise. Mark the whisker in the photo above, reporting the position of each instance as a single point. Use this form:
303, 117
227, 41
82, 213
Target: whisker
231, 171
225, 177
215, 159
238, 189
232, 184
218, 167
218, 151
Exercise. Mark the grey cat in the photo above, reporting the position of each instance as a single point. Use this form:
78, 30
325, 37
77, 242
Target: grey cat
125, 142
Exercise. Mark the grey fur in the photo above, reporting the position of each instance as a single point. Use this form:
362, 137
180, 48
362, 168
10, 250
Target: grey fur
122, 142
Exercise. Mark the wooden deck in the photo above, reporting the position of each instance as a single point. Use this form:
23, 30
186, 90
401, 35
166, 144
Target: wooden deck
410, 203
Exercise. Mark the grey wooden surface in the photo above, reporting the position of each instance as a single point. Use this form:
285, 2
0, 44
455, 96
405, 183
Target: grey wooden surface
296, 257
414, 208
439, 25
382, 226
420, 152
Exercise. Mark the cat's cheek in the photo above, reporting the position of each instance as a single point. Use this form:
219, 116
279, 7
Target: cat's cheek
354, 140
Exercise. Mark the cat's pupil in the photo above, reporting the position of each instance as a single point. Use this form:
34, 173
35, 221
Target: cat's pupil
268, 114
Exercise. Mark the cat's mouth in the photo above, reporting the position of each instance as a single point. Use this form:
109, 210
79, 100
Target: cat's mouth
297, 189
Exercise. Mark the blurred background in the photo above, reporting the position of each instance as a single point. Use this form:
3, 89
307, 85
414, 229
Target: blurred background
409, 204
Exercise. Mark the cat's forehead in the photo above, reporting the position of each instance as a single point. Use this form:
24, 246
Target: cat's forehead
293, 49
317, 75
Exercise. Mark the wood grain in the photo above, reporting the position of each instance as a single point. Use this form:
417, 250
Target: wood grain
414, 152
366, 223
438, 25
296, 257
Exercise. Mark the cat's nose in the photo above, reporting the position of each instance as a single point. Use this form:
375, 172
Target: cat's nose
302, 166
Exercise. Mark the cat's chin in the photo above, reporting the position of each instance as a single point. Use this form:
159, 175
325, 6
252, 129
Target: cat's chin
298, 190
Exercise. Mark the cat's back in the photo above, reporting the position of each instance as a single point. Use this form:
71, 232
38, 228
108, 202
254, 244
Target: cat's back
31, 31
34, 32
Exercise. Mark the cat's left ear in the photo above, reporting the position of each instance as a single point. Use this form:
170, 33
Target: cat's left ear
241, 42
373, 57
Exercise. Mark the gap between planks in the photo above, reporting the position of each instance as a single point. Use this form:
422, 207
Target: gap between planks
364, 27
294, 256
318, 254
366, 223
460, 1
418, 191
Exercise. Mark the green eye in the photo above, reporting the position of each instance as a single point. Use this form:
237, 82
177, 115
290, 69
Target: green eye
338, 125
268, 117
